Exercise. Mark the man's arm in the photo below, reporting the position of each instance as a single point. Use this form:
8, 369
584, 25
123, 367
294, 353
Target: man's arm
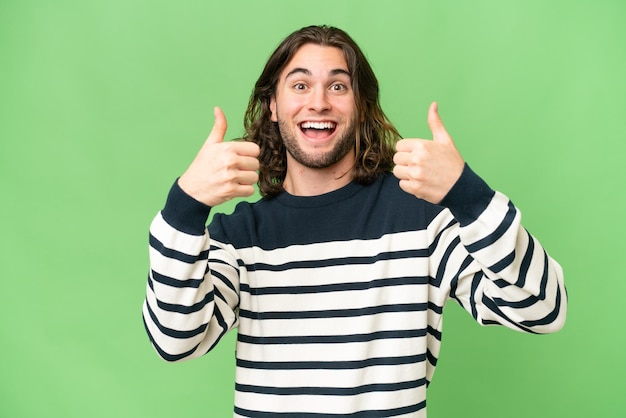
495, 269
183, 314
189, 307
493, 266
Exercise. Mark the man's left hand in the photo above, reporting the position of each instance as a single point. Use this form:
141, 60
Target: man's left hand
428, 169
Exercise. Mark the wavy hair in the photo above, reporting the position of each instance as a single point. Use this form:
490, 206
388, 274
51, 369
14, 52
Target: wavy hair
375, 135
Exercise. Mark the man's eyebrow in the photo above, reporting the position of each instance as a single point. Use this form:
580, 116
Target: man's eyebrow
339, 71
298, 70
304, 71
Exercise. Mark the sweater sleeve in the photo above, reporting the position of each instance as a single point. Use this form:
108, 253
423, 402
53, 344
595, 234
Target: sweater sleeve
495, 269
187, 308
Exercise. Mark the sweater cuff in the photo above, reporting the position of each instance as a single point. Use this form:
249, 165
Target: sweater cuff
185, 213
468, 198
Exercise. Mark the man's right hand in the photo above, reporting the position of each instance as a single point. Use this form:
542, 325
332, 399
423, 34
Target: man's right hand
222, 170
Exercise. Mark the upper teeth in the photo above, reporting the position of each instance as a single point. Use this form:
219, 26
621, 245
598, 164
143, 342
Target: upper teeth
318, 125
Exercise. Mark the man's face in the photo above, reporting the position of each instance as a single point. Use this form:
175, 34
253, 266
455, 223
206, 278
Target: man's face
314, 107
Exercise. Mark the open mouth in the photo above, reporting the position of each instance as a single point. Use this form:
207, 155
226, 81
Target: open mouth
318, 130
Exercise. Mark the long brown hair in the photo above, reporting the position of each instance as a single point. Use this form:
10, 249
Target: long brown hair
375, 135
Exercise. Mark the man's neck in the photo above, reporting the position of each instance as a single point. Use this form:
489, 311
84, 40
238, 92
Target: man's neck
305, 181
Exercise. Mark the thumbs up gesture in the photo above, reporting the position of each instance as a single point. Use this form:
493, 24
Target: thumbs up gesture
428, 169
221, 170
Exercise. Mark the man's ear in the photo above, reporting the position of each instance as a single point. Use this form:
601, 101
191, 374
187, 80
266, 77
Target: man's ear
274, 118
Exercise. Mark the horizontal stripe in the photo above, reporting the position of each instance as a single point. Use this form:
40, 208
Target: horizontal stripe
378, 413
164, 354
490, 304
520, 304
172, 282
177, 255
171, 307
435, 243
431, 357
455, 279
504, 263
333, 339
435, 308
335, 287
526, 261
439, 276
335, 313
218, 314
182, 309
172, 332
330, 365
343, 261
221, 279
331, 391
551, 317
497, 234
544, 278
434, 332
217, 250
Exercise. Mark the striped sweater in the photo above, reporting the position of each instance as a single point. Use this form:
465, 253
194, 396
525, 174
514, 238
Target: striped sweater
338, 298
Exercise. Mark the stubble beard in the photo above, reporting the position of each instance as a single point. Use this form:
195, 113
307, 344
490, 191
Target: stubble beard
317, 159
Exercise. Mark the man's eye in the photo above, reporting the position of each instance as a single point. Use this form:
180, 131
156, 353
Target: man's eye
299, 86
338, 87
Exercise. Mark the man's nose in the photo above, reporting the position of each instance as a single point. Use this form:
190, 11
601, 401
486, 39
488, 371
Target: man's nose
319, 100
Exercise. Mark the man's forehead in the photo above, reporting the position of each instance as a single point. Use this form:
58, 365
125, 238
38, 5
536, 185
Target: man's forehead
308, 59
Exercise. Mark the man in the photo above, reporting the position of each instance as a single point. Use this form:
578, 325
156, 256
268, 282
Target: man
337, 277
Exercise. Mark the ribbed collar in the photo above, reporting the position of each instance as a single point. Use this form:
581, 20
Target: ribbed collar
325, 199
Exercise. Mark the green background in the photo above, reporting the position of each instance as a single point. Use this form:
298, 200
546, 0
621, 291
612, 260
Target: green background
104, 103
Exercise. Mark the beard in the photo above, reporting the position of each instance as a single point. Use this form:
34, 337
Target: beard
345, 143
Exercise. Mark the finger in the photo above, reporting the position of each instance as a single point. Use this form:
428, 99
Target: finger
243, 190
219, 127
245, 148
247, 178
404, 145
440, 134
248, 164
401, 158
401, 172
411, 144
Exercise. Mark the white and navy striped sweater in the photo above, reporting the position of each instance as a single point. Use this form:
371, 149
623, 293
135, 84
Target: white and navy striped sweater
338, 298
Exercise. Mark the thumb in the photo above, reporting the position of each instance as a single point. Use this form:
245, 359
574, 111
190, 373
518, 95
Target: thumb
219, 127
440, 134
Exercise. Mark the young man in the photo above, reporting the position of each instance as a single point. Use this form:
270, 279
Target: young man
337, 278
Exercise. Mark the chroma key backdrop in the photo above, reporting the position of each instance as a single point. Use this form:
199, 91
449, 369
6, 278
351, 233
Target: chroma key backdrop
103, 104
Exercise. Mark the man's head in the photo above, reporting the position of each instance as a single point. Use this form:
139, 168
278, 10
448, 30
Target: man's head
372, 137
313, 104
